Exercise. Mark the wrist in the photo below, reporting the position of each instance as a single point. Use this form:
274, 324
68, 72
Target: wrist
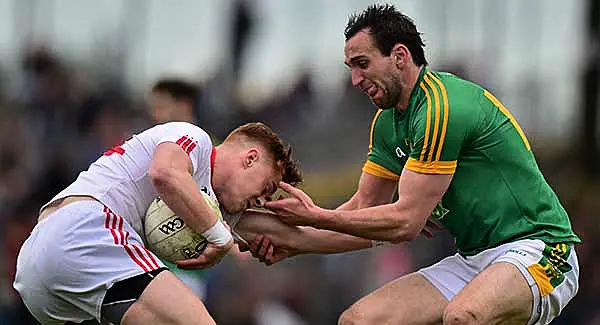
325, 218
218, 234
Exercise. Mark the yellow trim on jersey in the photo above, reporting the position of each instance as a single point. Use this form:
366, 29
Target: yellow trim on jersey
431, 167
427, 125
372, 128
512, 119
379, 171
436, 125
445, 122
439, 100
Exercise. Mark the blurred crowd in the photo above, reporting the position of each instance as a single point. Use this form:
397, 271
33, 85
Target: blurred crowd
58, 116
53, 125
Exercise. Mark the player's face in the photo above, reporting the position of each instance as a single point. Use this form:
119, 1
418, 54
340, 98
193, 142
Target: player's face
252, 185
373, 73
161, 107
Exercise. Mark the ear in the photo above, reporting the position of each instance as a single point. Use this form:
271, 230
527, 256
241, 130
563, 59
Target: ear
251, 158
400, 55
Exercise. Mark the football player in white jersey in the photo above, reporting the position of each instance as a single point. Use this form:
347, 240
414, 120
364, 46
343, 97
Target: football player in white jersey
170, 100
86, 259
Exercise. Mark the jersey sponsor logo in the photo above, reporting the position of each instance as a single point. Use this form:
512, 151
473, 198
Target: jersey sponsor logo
187, 143
516, 251
439, 212
171, 226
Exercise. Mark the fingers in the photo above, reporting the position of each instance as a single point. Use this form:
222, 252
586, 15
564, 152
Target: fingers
287, 187
262, 248
280, 205
255, 244
242, 247
433, 225
427, 233
269, 259
430, 227
211, 256
199, 263
295, 192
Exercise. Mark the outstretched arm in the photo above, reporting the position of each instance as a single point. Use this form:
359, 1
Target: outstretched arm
283, 240
293, 239
396, 222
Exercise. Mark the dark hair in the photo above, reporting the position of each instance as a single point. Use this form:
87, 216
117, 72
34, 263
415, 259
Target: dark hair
179, 90
388, 27
282, 153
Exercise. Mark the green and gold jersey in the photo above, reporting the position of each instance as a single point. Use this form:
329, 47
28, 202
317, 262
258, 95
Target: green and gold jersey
452, 126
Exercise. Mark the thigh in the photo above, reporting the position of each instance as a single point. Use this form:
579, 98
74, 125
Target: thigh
101, 250
77, 253
411, 299
498, 295
166, 300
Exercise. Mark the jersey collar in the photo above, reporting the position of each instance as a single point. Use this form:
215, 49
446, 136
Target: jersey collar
414, 94
213, 155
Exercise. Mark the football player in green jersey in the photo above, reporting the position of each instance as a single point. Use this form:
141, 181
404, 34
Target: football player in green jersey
454, 153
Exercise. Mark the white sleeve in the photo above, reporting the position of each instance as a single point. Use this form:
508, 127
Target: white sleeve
192, 139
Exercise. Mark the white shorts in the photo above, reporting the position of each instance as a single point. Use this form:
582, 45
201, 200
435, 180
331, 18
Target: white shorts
552, 273
72, 258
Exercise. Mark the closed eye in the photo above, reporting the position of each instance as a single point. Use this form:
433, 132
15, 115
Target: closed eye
362, 64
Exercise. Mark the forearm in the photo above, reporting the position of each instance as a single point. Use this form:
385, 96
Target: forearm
181, 194
389, 222
321, 241
301, 240
351, 204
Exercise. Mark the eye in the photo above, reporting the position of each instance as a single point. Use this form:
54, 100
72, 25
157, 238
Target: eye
362, 64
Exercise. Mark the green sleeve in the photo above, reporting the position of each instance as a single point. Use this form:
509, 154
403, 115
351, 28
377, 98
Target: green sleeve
381, 160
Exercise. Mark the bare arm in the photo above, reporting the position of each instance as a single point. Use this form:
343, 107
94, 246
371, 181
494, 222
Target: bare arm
400, 221
418, 194
171, 174
295, 240
372, 190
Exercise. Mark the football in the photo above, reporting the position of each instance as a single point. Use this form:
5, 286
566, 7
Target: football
169, 237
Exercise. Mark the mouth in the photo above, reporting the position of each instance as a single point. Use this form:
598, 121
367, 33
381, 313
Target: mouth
371, 91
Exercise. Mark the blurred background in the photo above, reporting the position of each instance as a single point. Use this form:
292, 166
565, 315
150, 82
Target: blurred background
79, 76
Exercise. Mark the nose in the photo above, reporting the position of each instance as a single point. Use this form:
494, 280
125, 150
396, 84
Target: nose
357, 77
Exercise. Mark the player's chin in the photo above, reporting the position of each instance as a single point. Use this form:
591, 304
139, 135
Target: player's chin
382, 103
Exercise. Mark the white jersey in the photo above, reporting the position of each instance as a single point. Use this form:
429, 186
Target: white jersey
119, 179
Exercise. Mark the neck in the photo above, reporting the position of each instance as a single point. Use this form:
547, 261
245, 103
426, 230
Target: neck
408, 83
219, 172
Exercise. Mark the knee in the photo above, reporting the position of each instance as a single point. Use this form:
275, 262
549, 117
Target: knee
459, 315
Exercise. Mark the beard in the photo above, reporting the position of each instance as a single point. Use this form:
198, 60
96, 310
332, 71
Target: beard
392, 92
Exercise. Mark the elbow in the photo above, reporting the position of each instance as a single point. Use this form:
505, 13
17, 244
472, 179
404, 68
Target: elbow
406, 230
403, 233
160, 177
411, 234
